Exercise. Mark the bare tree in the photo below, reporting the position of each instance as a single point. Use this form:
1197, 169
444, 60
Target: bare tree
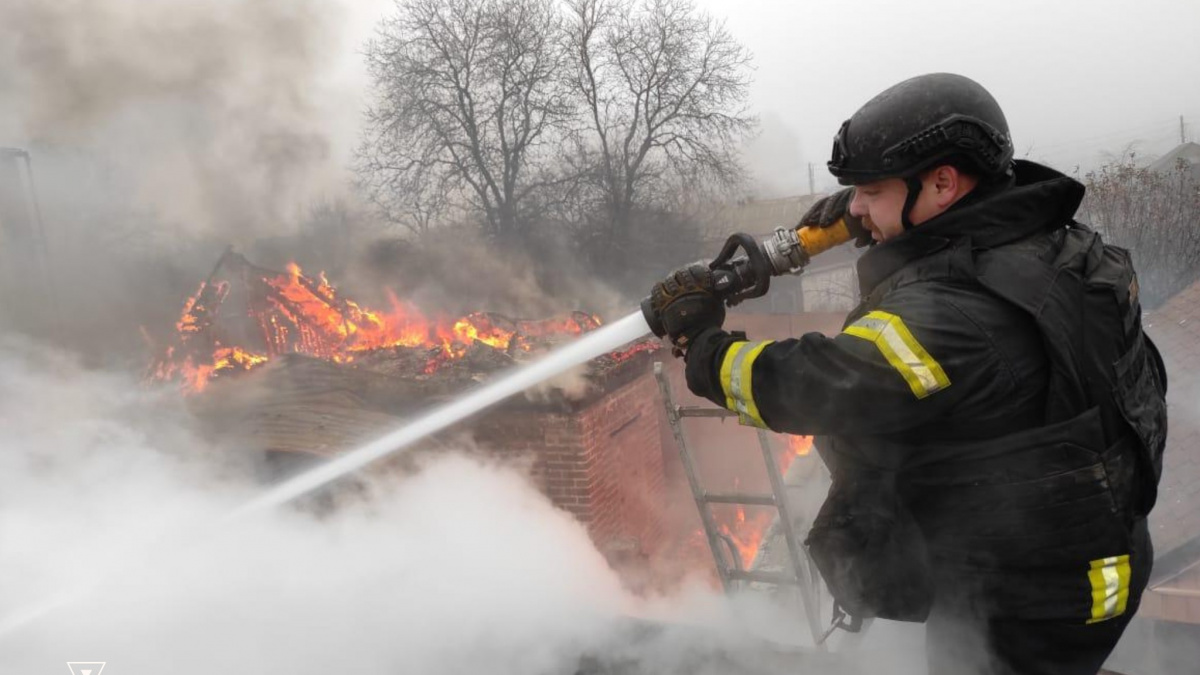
663, 87
468, 95
414, 195
1156, 215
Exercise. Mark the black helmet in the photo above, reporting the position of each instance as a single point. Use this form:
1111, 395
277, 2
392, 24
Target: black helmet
915, 124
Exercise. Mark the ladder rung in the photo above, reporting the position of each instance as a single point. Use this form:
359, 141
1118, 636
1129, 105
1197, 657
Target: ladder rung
739, 498
763, 577
698, 411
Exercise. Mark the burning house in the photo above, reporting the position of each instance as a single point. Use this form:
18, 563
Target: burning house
294, 372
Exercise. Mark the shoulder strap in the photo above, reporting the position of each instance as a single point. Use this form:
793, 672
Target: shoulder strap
1052, 293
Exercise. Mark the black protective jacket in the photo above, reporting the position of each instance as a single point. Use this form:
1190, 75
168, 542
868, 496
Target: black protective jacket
946, 428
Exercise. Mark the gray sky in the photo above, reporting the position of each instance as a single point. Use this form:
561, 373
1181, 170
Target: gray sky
1071, 75
1074, 76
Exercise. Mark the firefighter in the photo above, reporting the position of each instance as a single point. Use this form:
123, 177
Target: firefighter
992, 415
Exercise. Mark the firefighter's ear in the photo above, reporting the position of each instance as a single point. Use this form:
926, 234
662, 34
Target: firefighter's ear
946, 185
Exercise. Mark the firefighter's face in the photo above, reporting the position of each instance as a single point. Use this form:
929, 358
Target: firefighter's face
880, 204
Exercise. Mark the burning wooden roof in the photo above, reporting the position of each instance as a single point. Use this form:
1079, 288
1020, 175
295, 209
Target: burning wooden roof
243, 316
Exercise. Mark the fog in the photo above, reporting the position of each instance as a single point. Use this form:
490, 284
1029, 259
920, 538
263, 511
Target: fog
224, 117
1075, 78
161, 132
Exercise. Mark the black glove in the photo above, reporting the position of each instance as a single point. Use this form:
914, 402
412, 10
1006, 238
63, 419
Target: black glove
686, 302
828, 210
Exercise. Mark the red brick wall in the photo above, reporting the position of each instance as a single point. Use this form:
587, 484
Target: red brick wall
626, 481
603, 463
613, 463
562, 464
553, 442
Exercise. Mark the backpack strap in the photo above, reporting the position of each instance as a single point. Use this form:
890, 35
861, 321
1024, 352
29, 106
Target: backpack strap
1053, 294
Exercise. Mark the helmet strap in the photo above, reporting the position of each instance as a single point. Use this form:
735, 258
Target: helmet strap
914, 190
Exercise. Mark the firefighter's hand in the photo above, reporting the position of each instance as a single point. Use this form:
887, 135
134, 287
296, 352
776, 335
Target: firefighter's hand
826, 211
687, 303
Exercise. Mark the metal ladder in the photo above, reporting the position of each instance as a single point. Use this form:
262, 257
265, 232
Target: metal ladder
804, 575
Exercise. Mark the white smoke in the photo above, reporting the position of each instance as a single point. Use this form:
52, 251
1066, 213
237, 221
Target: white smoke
461, 568
222, 115
162, 131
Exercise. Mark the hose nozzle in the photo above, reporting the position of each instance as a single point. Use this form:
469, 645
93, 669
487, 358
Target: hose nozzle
747, 274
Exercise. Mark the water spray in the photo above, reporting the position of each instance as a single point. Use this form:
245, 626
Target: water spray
591, 345
739, 276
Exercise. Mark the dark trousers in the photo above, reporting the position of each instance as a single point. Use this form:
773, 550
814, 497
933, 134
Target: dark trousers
962, 642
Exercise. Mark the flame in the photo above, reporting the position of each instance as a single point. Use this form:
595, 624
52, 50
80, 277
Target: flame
295, 313
747, 534
747, 531
799, 445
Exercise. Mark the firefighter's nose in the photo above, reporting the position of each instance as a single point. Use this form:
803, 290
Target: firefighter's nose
858, 208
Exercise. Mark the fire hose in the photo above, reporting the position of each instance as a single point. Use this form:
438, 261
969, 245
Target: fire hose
744, 267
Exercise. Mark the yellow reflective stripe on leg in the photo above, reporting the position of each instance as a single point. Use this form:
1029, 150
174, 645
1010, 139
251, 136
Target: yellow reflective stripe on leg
921, 371
736, 380
1109, 579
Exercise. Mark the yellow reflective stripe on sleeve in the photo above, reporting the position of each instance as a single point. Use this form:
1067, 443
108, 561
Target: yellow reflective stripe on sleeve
736, 370
1109, 578
727, 372
923, 374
